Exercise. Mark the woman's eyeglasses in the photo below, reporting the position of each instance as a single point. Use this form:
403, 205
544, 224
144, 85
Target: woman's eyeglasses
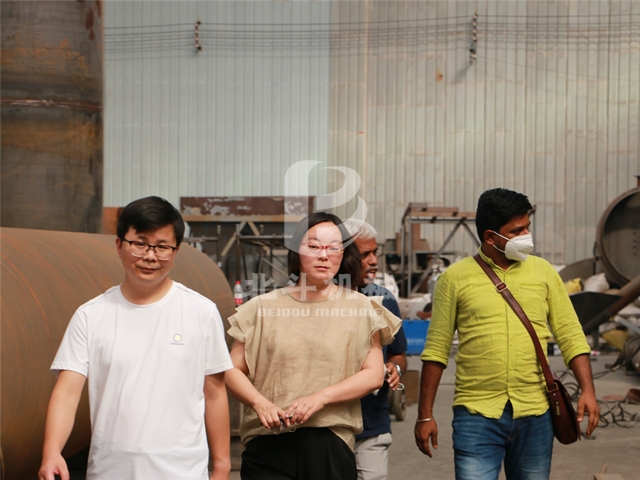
316, 249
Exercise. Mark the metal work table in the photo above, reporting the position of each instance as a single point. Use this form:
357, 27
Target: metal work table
250, 225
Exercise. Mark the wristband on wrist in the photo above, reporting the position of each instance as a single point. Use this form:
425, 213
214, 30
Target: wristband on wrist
424, 419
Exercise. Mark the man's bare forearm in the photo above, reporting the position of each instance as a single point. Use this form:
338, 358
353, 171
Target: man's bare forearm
581, 367
60, 419
587, 403
217, 423
62, 410
426, 428
429, 381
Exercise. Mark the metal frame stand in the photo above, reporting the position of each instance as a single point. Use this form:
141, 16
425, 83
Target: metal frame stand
417, 213
265, 244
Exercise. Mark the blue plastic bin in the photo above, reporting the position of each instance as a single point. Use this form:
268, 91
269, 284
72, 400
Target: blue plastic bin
416, 332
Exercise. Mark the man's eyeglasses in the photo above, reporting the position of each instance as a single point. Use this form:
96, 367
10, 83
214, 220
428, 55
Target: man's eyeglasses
316, 249
140, 249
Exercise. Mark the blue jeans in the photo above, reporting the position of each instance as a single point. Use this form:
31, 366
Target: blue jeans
481, 444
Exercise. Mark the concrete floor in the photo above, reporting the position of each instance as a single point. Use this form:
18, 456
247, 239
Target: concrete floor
616, 447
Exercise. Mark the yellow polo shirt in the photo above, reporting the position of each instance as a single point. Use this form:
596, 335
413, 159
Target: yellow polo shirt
496, 360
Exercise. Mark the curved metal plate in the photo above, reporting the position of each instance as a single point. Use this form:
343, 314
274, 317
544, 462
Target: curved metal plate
618, 237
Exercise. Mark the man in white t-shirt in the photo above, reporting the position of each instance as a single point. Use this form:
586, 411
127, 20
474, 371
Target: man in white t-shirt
154, 354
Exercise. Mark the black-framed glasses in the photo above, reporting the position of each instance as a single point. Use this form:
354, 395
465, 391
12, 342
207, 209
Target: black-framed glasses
140, 249
316, 249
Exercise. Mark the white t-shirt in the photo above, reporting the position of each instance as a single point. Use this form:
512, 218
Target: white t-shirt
145, 366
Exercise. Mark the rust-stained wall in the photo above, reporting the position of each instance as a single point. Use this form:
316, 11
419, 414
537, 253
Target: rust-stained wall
52, 98
45, 276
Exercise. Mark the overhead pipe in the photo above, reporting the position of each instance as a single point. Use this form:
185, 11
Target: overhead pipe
627, 294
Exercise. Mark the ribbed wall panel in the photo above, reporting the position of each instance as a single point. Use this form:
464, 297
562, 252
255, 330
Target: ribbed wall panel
549, 106
226, 121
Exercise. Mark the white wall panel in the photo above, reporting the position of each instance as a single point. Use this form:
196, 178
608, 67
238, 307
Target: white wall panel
550, 106
228, 120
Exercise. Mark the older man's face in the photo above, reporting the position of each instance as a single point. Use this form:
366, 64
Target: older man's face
369, 251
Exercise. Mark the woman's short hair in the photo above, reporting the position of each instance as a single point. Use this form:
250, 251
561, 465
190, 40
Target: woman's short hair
351, 263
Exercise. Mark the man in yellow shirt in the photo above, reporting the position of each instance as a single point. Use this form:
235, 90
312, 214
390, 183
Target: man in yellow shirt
501, 406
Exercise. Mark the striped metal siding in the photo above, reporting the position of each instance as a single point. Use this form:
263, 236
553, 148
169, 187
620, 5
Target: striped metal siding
549, 106
228, 120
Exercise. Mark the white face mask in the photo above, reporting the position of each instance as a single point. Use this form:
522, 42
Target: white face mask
517, 248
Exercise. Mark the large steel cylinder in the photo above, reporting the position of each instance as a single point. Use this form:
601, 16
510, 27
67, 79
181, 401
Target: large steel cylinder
618, 238
45, 276
52, 140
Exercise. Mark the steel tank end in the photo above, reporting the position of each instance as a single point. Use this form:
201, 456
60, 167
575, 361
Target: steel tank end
618, 238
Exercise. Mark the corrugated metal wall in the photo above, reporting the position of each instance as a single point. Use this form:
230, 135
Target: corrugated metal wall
227, 120
549, 105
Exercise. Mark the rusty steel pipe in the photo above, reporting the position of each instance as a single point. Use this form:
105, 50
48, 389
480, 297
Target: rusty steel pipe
46, 275
52, 98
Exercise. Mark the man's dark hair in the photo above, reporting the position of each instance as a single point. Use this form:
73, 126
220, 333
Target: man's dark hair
496, 207
148, 215
351, 263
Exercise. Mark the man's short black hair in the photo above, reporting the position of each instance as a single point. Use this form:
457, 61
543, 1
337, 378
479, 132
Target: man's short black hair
148, 215
497, 206
351, 263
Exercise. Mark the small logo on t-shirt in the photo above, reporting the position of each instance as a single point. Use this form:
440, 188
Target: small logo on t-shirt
177, 339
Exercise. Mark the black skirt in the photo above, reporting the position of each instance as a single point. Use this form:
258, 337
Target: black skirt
305, 454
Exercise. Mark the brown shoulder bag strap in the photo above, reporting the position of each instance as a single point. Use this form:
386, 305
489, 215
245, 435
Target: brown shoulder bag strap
503, 290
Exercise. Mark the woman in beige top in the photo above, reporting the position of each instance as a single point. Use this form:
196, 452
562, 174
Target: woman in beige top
304, 356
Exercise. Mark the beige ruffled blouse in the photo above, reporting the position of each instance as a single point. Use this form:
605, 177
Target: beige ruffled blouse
294, 348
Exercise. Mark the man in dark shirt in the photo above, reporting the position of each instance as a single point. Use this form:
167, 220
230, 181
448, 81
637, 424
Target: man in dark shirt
373, 443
